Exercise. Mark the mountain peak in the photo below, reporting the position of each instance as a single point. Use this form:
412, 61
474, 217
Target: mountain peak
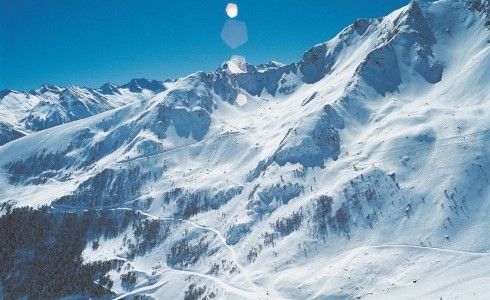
269, 66
4, 93
137, 85
236, 65
44, 88
109, 89
412, 18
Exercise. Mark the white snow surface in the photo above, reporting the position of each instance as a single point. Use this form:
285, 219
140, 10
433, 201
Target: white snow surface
360, 172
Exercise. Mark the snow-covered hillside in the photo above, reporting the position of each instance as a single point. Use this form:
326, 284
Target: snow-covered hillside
360, 172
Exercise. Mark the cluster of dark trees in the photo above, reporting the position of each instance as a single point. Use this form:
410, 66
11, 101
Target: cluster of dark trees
260, 201
182, 253
325, 219
286, 226
148, 234
269, 238
128, 280
191, 202
323, 212
362, 204
253, 253
31, 169
198, 292
107, 189
40, 253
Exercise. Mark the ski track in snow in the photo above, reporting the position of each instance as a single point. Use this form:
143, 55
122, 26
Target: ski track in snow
237, 291
406, 246
253, 294
257, 293
157, 285
139, 158
222, 239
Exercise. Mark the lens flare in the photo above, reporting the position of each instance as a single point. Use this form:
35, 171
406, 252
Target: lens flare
241, 99
234, 33
232, 10
237, 64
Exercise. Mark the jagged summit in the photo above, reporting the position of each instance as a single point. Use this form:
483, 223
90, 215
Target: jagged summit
109, 89
4, 93
44, 88
139, 84
270, 65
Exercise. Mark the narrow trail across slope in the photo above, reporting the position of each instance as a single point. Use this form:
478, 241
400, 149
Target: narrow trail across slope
360, 251
25, 177
144, 157
407, 246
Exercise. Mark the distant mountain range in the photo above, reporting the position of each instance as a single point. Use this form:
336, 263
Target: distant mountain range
22, 113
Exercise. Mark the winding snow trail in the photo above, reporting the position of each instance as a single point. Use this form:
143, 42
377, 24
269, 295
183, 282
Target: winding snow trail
222, 239
257, 293
237, 291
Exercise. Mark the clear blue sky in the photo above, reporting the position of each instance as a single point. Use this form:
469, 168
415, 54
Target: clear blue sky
90, 42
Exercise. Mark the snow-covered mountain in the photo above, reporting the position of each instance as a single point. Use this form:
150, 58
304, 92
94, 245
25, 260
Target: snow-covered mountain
22, 113
360, 172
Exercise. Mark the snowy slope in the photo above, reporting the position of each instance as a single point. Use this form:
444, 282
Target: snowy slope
361, 171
